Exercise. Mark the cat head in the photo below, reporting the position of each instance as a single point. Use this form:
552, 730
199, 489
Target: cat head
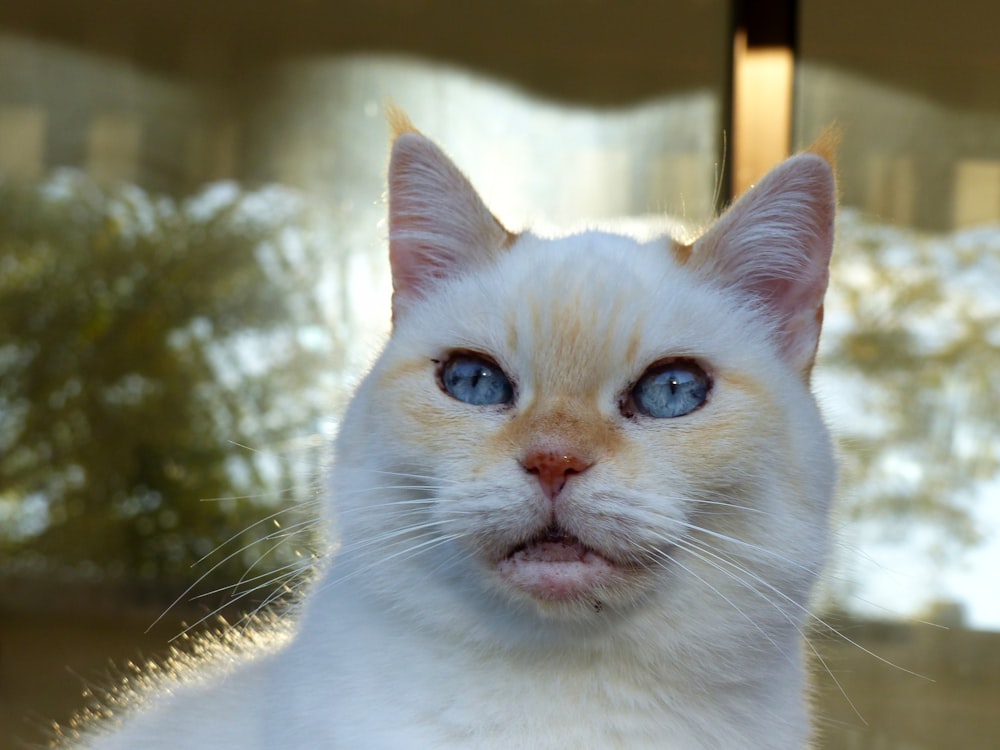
567, 433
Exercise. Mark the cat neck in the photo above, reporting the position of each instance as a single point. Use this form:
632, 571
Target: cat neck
627, 686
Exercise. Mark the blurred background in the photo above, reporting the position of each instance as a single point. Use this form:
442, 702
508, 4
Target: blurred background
193, 273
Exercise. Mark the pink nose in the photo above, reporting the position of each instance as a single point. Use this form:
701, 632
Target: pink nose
553, 469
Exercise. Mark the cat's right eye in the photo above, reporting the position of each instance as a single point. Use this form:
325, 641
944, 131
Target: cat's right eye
475, 380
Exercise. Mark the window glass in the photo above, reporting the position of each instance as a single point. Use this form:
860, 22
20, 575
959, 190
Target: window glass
911, 346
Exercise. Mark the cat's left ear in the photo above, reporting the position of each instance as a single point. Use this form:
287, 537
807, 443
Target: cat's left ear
774, 245
438, 225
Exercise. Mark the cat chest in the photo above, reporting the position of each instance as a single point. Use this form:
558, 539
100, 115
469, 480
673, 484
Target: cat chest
501, 705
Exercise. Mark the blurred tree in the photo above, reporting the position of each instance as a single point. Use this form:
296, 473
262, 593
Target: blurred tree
910, 352
147, 349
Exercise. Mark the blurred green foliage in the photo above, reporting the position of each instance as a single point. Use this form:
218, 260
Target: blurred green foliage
910, 354
148, 349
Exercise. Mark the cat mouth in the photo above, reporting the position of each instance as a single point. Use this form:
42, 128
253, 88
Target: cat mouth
557, 566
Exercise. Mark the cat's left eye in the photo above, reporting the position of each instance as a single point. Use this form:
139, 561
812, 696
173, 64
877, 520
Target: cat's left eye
670, 389
475, 380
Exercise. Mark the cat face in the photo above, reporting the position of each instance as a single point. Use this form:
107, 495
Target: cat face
574, 430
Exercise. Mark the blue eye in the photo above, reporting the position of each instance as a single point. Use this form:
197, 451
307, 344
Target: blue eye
476, 380
669, 390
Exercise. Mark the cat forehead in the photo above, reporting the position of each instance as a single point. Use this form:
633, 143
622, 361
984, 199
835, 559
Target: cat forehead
582, 270
588, 301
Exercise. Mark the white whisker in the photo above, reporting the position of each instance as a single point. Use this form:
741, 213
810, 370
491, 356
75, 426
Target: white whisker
224, 560
403, 554
747, 545
820, 621
725, 598
703, 553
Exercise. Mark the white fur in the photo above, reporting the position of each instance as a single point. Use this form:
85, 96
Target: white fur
410, 640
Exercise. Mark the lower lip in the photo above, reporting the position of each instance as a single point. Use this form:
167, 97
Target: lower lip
556, 571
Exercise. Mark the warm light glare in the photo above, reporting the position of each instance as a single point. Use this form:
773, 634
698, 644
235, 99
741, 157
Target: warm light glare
762, 109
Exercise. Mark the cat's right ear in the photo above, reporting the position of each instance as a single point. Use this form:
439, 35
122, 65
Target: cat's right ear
773, 247
438, 224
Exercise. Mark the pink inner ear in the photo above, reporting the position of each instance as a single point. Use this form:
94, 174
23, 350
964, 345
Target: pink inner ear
438, 224
411, 242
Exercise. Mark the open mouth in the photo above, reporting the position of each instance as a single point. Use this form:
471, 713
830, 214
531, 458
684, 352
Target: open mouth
557, 566
554, 545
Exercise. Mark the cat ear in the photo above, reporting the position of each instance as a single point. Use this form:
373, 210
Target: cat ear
773, 245
438, 224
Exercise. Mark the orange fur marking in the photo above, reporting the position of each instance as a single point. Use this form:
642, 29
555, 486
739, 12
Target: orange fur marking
586, 434
682, 253
825, 147
398, 121
827, 144
634, 342
409, 368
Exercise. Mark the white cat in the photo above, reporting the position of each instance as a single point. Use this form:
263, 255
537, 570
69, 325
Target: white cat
581, 497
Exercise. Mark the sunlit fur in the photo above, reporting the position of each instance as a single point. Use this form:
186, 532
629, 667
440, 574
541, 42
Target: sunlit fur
412, 639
